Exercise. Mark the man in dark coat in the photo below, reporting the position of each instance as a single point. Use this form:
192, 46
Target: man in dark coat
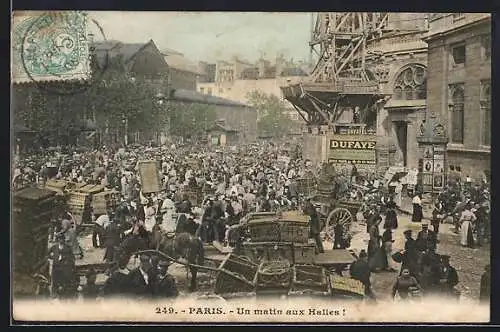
112, 239
118, 282
165, 283
314, 225
90, 291
373, 218
185, 206
485, 286
448, 277
339, 240
410, 254
426, 239
437, 216
360, 270
376, 254
63, 268
141, 279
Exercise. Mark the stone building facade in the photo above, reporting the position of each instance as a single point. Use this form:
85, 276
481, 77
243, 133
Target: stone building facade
398, 60
459, 87
234, 79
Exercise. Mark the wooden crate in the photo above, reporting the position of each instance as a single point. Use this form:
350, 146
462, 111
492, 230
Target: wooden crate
259, 252
304, 253
235, 275
292, 231
103, 201
345, 286
91, 189
60, 186
79, 206
273, 277
309, 278
264, 231
307, 186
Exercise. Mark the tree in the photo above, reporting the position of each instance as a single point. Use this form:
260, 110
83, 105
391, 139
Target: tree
190, 119
271, 113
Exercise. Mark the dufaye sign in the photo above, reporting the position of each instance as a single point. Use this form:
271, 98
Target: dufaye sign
353, 149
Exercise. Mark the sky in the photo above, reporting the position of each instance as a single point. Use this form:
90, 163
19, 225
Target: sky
212, 36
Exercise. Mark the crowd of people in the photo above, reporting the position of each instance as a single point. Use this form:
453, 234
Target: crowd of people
233, 183
422, 269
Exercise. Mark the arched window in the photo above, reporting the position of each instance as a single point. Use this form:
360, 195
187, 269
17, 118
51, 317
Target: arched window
411, 83
457, 116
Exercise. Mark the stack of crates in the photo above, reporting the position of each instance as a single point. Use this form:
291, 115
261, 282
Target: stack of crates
32, 212
103, 201
80, 200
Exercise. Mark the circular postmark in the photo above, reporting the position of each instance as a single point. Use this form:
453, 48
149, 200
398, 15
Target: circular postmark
58, 54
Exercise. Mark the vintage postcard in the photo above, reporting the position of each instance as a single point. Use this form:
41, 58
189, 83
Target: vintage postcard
210, 167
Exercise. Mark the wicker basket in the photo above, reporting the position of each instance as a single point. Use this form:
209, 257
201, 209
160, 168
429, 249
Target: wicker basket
273, 277
309, 278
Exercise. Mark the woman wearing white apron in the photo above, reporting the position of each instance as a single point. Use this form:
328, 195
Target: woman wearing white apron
168, 224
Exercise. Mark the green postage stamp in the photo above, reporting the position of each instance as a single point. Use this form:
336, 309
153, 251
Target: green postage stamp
49, 46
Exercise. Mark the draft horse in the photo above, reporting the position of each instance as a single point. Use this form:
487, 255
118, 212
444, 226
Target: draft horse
181, 244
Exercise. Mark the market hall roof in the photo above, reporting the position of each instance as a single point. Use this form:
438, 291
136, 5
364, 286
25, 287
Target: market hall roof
197, 97
115, 48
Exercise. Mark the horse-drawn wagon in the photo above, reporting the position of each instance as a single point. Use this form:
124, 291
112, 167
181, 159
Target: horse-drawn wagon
277, 258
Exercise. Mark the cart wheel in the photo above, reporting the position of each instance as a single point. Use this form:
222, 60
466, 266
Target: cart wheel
338, 215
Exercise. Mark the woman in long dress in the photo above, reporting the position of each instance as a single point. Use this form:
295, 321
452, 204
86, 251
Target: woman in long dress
376, 254
466, 220
417, 209
391, 217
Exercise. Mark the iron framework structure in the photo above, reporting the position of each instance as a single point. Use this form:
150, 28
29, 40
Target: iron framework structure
339, 80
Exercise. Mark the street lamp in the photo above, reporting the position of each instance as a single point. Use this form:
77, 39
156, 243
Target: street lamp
160, 100
125, 125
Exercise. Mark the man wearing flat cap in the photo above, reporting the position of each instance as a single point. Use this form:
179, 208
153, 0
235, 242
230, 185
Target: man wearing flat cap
165, 285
